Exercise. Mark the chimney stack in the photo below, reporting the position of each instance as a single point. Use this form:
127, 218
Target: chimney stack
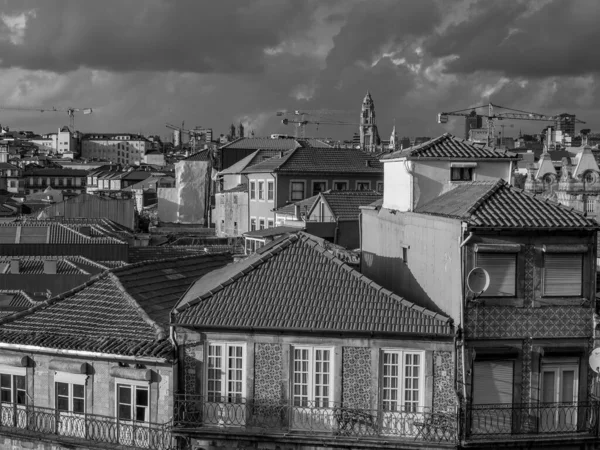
14, 266
297, 211
50, 266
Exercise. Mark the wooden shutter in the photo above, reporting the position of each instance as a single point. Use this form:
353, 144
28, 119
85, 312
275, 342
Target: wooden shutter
502, 268
492, 382
563, 274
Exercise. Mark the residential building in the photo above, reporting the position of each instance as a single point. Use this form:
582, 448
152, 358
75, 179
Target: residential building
118, 148
154, 158
429, 169
70, 181
317, 356
95, 367
10, 175
525, 332
63, 143
369, 136
113, 179
304, 172
145, 191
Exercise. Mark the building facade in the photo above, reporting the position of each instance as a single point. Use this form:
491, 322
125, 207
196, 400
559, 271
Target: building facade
114, 147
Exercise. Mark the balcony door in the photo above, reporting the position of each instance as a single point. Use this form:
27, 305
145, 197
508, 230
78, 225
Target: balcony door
558, 397
492, 410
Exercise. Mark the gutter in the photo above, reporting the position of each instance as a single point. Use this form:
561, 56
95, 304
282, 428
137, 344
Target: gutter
82, 353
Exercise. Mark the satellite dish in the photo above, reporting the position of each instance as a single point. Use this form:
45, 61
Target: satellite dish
478, 280
595, 360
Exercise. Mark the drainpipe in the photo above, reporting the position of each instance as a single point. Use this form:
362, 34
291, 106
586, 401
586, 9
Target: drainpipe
360, 241
462, 306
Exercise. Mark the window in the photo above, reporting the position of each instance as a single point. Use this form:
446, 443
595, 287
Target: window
12, 388
70, 397
312, 378
225, 376
492, 385
340, 185
363, 185
297, 190
402, 381
261, 224
318, 187
590, 203
380, 187
261, 190
132, 403
461, 173
563, 274
559, 386
252, 224
270, 190
502, 268
270, 223
405, 255
253, 190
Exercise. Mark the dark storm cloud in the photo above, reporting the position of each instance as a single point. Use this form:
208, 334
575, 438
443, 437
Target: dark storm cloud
507, 37
224, 36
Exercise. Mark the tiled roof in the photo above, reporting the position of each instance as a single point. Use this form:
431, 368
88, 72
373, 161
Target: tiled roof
321, 160
14, 300
32, 265
256, 143
290, 208
499, 205
270, 232
151, 183
51, 232
296, 285
448, 146
53, 172
202, 155
123, 312
243, 187
345, 205
149, 253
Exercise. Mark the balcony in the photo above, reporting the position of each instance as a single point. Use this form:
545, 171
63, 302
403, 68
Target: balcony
535, 421
194, 414
32, 422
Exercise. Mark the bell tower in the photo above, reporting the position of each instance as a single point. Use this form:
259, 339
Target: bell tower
369, 136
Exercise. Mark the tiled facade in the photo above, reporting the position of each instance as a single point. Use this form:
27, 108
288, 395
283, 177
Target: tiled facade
444, 394
268, 366
356, 377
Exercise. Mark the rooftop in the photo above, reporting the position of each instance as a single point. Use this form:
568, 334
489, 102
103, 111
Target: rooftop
51, 232
264, 143
290, 209
242, 187
297, 285
499, 205
448, 146
270, 232
345, 205
124, 311
250, 160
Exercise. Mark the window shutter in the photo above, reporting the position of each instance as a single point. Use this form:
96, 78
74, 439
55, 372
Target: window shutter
492, 382
502, 268
562, 274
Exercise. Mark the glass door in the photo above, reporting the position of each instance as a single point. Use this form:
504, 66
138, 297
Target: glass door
558, 398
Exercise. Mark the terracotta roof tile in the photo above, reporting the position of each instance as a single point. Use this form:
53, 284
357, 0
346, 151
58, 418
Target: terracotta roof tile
345, 205
266, 143
500, 205
298, 285
448, 146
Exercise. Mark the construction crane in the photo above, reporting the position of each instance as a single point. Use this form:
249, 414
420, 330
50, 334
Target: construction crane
70, 112
492, 116
318, 119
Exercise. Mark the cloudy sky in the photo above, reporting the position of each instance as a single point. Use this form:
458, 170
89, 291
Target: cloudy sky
142, 63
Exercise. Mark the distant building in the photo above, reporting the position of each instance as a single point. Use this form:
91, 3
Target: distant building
69, 181
566, 124
369, 136
473, 120
115, 147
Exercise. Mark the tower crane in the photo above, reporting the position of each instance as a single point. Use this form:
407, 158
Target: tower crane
319, 118
70, 112
492, 116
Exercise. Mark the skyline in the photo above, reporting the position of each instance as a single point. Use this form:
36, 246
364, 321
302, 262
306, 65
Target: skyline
139, 65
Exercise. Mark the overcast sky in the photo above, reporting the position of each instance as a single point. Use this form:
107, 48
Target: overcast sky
142, 63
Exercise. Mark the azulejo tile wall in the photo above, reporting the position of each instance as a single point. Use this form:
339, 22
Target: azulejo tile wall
190, 362
356, 377
268, 366
514, 323
444, 395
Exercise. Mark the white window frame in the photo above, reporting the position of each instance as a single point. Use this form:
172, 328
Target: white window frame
544, 275
261, 223
292, 199
346, 182
252, 189
401, 380
377, 185
14, 372
313, 182
70, 379
368, 182
225, 380
133, 385
312, 376
255, 224
270, 190
261, 190
270, 223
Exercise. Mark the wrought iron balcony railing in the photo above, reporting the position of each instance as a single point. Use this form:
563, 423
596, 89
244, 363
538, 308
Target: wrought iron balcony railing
34, 421
311, 417
518, 421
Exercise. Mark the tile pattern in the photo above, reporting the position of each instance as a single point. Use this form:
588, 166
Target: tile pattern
520, 323
35, 266
356, 377
345, 205
527, 350
444, 395
53, 233
529, 275
268, 366
298, 284
449, 146
500, 205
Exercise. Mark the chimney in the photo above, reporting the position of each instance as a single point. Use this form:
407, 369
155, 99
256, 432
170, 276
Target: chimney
367, 163
14, 266
297, 211
50, 266
87, 230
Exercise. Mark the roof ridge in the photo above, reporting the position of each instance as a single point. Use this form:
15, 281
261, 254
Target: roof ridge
139, 264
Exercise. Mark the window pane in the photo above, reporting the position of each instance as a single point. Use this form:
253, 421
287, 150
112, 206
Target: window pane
502, 268
5, 381
5, 396
124, 412
140, 414
20, 381
78, 390
125, 395
62, 403
563, 274
62, 389
78, 405
141, 397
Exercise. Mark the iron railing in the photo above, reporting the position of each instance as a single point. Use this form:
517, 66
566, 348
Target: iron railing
521, 420
37, 421
309, 417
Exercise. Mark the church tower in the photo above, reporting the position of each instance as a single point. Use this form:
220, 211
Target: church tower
369, 136
394, 139
241, 130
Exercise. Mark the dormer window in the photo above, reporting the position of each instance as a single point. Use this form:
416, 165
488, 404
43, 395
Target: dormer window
461, 174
